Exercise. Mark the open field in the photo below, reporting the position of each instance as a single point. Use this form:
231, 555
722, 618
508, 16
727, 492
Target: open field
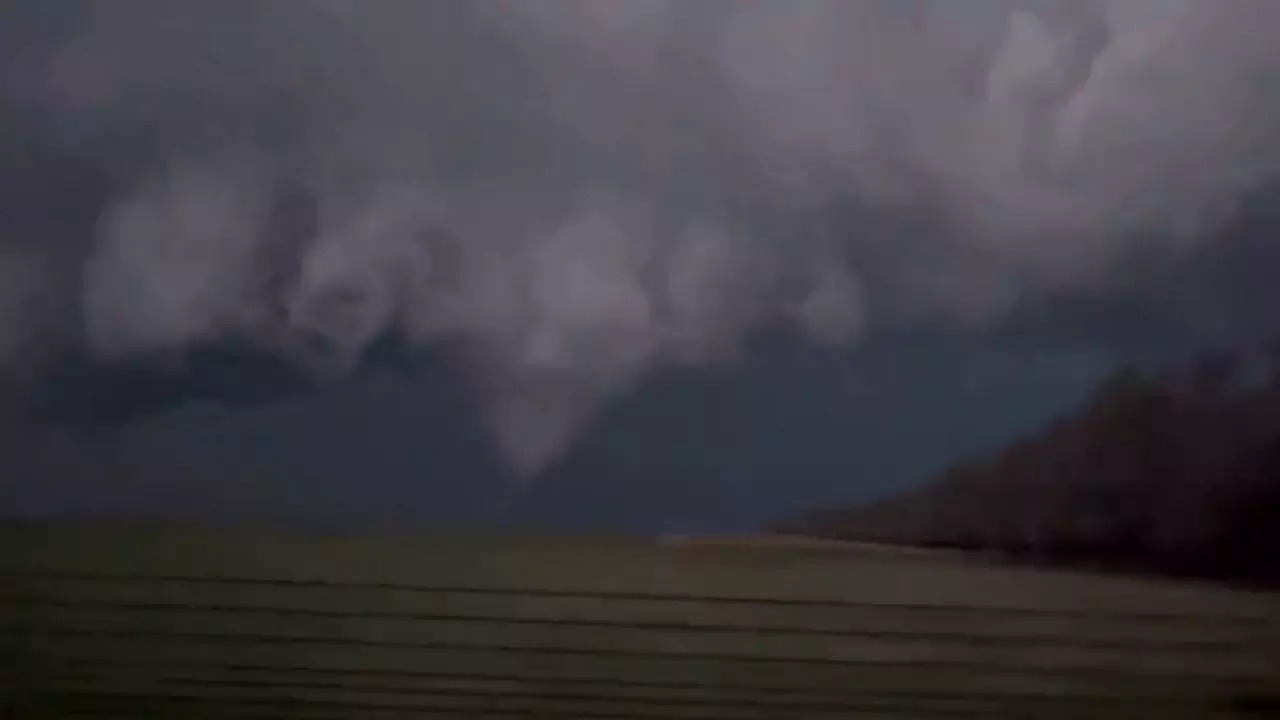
120, 621
808, 545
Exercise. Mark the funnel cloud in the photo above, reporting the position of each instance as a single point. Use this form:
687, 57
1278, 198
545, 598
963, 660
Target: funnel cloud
579, 190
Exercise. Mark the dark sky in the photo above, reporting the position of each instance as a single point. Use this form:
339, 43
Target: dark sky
727, 449
614, 265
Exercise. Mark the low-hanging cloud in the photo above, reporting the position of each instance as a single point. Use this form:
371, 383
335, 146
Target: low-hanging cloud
582, 189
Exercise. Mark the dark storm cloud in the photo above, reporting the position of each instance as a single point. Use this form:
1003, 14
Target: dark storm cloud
582, 189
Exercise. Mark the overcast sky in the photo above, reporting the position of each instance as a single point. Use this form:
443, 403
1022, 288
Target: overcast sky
574, 195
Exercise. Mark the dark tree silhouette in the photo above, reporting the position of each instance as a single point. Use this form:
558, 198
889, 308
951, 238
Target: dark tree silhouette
1174, 475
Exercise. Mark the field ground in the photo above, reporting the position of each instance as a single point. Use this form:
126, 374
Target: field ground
150, 621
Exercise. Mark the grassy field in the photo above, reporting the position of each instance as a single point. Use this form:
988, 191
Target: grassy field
133, 621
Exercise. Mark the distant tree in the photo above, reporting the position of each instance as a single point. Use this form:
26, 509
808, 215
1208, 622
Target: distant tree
1177, 474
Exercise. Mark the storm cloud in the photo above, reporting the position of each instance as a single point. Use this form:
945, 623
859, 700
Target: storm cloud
579, 190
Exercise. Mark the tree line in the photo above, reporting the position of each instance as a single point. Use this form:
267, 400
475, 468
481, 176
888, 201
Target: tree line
1171, 473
